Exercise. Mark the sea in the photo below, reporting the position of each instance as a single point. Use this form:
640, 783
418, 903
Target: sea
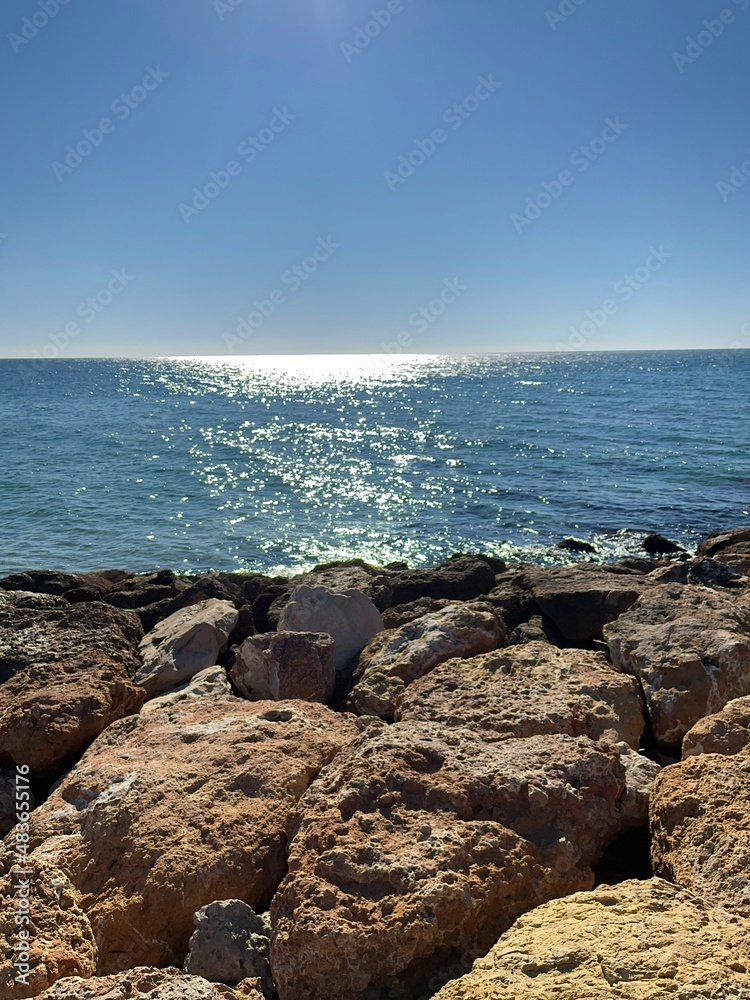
276, 464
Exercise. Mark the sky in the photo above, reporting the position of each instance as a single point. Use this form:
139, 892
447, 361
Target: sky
239, 177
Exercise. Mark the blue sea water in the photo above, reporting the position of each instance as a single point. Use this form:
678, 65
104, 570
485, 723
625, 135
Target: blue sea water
276, 464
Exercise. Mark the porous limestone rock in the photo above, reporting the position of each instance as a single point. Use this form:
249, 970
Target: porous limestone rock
350, 618
403, 613
393, 659
60, 939
183, 644
209, 683
174, 809
731, 547
150, 984
460, 578
690, 649
230, 944
700, 823
639, 940
65, 674
528, 690
418, 845
278, 665
581, 599
727, 732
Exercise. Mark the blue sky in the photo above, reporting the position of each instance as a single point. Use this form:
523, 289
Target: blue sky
559, 176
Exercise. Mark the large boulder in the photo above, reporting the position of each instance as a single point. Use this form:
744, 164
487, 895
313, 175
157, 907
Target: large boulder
66, 673
530, 690
690, 649
404, 613
58, 937
208, 684
183, 644
634, 941
279, 665
151, 984
731, 547
174, 809
395, 658
460, 578
583, 598
727, 732
350, 618
229, 944
700, 818
418, 845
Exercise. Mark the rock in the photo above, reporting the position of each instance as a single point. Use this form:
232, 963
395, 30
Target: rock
350, 618
460, 578
658, 545
41, 582
581, 599
700, 815
278, 665
207, 684
511, 601
60, 939
727, 732
731, 547
184, 644
10, 803
575, 545
633, 941
339, 577
151, 984
405, 613
417, 846
537, 629
690, 649
171, 810
640, 774
229, 944
138, 590
202, 588
529, 690
701, 572
66, 674
393, 659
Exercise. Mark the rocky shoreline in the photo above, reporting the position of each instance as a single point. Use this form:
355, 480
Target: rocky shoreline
479, 780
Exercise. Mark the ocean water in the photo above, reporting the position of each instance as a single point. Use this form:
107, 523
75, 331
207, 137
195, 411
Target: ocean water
276, 464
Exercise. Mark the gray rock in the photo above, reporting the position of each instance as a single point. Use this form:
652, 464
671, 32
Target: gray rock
184, 644
350, 618
209, 683
230, 943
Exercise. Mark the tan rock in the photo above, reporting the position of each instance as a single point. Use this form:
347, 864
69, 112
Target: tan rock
700, 818
169, 811
393, 659
151, 984
208, 684
529, 690
690, 649
60, 940
727, 732
65, 674
731, 547
633, 941
419, 844
277, 665
350, 618
184, 644
581, 599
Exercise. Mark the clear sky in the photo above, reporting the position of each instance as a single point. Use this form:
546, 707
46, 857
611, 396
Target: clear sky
437, 176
